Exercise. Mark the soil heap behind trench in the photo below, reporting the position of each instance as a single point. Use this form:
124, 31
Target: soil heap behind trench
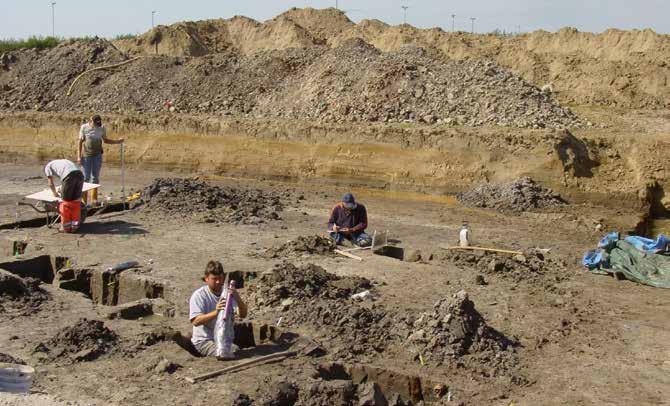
354, 82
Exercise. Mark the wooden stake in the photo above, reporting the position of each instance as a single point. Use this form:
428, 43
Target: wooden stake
346, 254
272, 357
483, 249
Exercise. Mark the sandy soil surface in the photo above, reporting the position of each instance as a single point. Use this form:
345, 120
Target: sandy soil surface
579, 337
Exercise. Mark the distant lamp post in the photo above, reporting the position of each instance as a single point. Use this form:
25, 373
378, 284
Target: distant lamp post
404, 18
53, 18
473, 24
453, 23
337, 4
153, 14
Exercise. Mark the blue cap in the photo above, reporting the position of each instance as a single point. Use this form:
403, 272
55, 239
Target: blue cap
348, 198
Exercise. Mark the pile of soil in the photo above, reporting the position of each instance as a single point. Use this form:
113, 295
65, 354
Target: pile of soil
213, 204
533, 267
454, 333
520, 195
305, 282
301, 246
20, 296
615, 67
86, 340
310, 296
353, 82
335, 392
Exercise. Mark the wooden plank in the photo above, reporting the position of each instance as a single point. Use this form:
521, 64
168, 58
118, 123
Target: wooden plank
357, 249
47, 196
253, 362
348, 255
483, 249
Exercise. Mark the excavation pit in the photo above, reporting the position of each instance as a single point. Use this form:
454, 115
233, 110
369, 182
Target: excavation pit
109, 288
391, 383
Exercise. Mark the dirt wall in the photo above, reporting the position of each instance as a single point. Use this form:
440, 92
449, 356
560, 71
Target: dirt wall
435, 159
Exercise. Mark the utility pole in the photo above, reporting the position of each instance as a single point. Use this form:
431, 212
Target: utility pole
337, 4
153, 13
53, 19
473, 24
404, 19
453, 23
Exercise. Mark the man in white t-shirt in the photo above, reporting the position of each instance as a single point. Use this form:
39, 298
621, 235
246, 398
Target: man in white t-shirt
206, 303
71, 178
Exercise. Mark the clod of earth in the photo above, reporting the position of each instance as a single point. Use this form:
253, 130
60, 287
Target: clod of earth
86, 340
212, 204
20, 295
520, 195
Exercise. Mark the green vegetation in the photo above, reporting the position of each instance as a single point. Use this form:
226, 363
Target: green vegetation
12, 44
125, 36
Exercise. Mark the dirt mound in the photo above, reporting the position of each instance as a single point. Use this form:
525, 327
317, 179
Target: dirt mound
620, 68
26, 83
301, 246
298, 283
310, 296
11, 360
20, 296
192, 197
353, 82
455, 333
517, 196
532, 267
86, 340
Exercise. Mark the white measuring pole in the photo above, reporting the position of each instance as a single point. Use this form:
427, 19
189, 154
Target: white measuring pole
123, 176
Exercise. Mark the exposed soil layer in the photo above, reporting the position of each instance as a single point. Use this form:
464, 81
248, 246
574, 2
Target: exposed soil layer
86, 340
517, 196
350, 83
181, 198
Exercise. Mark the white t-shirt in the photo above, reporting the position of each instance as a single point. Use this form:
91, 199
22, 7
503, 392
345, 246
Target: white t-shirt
203, 301
60, 168
93, 139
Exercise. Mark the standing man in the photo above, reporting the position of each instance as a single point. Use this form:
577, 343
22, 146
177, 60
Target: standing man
348, 220
89, 153
72, 182
206, 303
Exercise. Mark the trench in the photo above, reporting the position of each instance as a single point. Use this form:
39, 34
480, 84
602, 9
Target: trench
391, 383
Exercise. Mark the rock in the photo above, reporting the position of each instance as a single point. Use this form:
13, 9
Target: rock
479, 280
370, 394
520, 258
413, 256
166, 366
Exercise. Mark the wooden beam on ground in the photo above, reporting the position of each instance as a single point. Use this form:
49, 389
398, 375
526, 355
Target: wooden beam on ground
272, 357
348, 255
357, 249
482, 249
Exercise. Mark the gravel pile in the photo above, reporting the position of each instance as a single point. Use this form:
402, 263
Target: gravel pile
520, 195
354, 82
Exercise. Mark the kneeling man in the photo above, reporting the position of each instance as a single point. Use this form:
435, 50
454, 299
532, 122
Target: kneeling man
206, 303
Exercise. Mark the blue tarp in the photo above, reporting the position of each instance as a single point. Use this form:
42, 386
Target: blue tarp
639, 259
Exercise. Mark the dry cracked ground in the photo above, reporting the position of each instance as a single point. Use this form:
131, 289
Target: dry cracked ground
268, 125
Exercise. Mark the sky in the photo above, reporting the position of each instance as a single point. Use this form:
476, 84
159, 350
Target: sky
24, 18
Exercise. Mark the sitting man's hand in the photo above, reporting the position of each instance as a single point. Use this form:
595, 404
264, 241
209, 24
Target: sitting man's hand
344, 230
221, 305
336, 228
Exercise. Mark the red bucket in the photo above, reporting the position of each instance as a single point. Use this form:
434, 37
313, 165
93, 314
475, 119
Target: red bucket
70, 215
